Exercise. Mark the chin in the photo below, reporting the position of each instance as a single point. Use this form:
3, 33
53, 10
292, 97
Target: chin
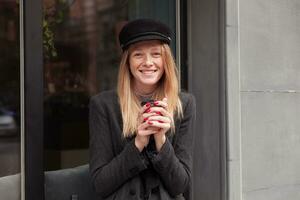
150, 83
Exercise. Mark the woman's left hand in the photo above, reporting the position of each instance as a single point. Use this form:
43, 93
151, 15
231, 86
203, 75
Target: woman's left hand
161, 120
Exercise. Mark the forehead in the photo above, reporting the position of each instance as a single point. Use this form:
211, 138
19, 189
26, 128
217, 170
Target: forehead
145, 45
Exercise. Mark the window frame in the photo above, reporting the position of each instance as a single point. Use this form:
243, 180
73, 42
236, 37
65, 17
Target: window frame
32, 99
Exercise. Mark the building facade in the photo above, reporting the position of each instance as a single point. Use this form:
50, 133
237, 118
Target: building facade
239, 58
263, 99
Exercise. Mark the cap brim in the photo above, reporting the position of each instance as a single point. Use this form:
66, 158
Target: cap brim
145, 38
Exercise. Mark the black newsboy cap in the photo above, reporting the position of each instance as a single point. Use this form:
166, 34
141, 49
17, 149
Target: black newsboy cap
144, 29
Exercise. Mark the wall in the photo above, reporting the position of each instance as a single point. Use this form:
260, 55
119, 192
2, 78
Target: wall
263, 81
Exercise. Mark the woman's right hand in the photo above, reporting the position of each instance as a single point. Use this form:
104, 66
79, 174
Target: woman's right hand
144, 129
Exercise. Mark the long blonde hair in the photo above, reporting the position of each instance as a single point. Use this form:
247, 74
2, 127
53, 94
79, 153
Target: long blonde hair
168, 87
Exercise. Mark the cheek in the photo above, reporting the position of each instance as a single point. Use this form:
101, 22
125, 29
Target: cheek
131, 66
160, 63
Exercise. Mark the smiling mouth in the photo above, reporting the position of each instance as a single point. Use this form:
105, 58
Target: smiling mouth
147, 71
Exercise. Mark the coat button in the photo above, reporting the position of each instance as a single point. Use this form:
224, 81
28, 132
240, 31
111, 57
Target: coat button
132, 192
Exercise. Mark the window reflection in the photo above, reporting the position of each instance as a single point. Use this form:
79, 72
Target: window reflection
82, 55
83, 61
9, 89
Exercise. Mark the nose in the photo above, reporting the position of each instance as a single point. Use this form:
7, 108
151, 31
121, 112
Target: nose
148, 60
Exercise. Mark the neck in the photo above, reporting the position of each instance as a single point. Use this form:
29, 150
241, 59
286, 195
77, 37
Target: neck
144, 91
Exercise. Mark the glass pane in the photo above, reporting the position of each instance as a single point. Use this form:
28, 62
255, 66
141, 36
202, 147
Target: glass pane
81, 58
9, 99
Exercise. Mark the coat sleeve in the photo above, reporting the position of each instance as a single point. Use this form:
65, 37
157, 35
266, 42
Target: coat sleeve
109, 171
173, 163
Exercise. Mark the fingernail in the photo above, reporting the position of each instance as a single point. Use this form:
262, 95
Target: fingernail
160, 121
150, 123
148, 110
146, 119
156, 103
148, 104
159, 113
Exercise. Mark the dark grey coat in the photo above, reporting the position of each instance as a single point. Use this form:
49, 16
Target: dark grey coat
120, 172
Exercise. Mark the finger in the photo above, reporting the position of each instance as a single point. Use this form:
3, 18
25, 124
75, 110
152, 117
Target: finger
144, 113
163, 104
151, 128
165, 126
160, 111
160, 119
146, 116
147, 132
145, 107
146, 126
143, 126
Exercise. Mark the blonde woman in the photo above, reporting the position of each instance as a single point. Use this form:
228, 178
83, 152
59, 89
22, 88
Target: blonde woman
141, 135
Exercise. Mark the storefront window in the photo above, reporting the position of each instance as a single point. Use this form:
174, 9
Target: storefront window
9, 99
81, 58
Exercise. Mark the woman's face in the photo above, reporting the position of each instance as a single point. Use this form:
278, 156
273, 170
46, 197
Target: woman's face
146, 63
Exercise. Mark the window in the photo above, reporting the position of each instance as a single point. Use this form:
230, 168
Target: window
81, 58
9, 99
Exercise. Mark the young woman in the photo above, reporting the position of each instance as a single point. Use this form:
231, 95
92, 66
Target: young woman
141, 135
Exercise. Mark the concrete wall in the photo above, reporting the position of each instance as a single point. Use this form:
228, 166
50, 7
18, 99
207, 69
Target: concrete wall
263, 73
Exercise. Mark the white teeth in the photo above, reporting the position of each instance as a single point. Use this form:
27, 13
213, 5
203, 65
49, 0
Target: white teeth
148, 71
